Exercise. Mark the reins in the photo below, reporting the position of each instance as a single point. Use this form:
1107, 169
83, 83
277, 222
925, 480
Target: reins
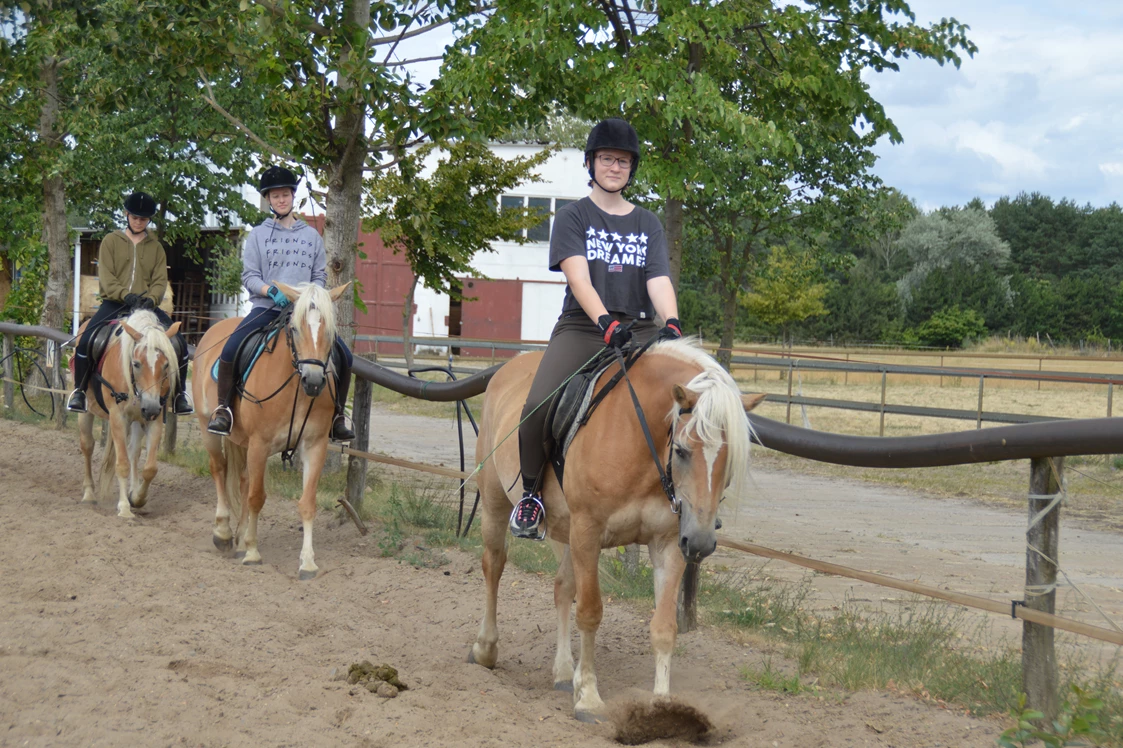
666, 477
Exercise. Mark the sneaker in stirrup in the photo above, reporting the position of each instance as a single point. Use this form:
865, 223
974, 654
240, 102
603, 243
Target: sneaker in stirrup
76, 403
222, 420
528, 519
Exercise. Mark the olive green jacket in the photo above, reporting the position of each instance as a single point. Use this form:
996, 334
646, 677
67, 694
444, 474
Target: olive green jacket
124, 268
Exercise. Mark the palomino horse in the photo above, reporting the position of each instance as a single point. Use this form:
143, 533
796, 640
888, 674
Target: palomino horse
138, 371
614, 495
282, 408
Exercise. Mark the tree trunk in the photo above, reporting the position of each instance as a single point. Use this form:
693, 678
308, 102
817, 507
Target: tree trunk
407, 315
673, 215
729, 288
54, 204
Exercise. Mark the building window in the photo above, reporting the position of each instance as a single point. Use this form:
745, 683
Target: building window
544, 206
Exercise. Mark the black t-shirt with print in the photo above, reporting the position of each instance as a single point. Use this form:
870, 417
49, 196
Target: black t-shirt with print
624, 252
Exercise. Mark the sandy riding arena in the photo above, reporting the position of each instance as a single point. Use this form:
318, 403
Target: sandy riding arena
135, 633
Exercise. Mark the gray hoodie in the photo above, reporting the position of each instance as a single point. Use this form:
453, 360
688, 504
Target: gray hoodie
274, 253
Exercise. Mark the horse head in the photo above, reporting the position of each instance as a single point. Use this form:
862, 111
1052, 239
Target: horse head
709, 454
311, 331
148, 361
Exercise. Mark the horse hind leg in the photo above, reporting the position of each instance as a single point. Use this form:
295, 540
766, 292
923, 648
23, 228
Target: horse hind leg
564, 589
86, 442
493, 523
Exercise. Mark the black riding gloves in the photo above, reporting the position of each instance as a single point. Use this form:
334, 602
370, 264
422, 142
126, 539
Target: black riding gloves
672, 330
131, 300
615, 334
146, 303
279, 298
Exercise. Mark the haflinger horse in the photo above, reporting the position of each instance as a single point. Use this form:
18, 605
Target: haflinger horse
138, 370
614, 495
286, 404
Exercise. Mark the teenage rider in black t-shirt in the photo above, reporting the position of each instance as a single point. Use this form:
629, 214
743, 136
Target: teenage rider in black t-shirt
614, 256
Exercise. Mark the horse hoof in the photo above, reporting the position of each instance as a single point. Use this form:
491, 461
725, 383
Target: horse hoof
564, 685
587, 717
130, 498
223, 544
472, 658
238, 555
304, 576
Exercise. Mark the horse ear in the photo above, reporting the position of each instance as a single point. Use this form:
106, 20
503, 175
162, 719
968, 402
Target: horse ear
685, 398
173, 329
753, 400
290, 293
132, 333
338, 291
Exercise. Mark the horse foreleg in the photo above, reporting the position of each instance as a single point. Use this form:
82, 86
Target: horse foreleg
584, 551
313, 460
86, 441
255, 498
485, 650
564, 589
223, 536
135, 434
154, 431
118, 432
668, 564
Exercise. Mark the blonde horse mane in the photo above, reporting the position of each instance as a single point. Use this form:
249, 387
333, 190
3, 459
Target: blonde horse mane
153, 338
719, 411
314, 297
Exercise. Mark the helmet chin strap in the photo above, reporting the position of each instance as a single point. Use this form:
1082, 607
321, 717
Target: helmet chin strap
286, 215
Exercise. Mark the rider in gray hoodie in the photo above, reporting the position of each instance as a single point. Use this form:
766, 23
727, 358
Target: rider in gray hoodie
285, 249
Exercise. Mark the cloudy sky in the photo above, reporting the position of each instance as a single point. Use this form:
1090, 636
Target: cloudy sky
1038, 108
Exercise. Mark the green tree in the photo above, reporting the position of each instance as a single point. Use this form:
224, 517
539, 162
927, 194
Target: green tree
755, 115
940, 239
789, 288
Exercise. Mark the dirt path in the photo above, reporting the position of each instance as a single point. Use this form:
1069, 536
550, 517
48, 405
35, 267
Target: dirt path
140, 633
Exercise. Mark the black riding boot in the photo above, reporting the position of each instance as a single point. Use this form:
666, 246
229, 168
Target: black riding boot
76, 403
182, 405
340, 431
222, 419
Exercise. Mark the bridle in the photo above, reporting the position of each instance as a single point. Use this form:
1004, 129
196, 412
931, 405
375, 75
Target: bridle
120, 397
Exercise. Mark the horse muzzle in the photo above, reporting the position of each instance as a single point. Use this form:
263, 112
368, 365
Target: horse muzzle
696, 540
150, 409
312, 379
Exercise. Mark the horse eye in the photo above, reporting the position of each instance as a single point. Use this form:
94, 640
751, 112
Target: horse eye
136, 364
681, 453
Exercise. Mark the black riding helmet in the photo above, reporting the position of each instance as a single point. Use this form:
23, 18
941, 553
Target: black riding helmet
616, 134
140, 204
277, 176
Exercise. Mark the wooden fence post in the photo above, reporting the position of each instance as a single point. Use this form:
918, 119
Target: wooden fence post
881, 427
979, 412
688, 599
9, 369
357, 466
789, 415
1039, 659
171, 429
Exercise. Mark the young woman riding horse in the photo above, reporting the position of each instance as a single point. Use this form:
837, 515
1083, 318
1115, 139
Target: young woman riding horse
133, 273
288, 250
614, 257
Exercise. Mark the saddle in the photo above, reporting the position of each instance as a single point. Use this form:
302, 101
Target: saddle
264, 340
574, 405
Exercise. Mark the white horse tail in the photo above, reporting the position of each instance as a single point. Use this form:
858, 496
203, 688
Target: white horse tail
235, 469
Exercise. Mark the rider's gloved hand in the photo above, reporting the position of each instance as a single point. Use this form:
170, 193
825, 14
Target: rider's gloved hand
146, 303
615, 334
131, 300
279, 298
672, 330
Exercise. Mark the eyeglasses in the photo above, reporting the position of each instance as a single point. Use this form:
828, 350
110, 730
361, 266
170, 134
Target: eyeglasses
607, 161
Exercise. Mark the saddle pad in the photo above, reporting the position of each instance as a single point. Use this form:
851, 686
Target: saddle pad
248, 353
573, 403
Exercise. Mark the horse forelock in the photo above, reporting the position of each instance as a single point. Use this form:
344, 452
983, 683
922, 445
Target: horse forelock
312, 297
153, 340
719, 415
